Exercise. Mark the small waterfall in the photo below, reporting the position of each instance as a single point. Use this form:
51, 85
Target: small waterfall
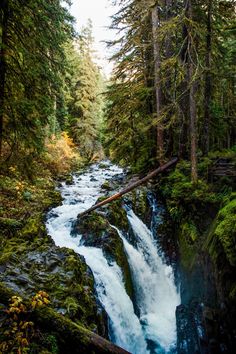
124, 326
155, 291
152, 330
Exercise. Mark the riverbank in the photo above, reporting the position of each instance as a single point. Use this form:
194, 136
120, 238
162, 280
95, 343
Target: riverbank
30, 262
202, 220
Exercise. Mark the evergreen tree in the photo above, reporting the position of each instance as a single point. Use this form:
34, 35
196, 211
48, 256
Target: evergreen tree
173, 63
85, 102
32, 59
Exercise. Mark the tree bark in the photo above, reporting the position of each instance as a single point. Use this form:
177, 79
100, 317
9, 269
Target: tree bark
4, 22
184, 100
192, 103
132, 186
193, 119
157, 84
208, 82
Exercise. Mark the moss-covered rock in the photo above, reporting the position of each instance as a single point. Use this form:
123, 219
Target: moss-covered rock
30, 261
98, 232
62, 273
58, 334
116, 215
107, 186
187, 249
222, 236
203, 223
9, 224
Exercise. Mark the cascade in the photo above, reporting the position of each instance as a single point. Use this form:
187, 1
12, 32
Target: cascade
152, 328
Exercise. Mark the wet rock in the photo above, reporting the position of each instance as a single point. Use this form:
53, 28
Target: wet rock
69, 180
191, 336
97, 232
61, 273
22, 280
106, 185
52, 214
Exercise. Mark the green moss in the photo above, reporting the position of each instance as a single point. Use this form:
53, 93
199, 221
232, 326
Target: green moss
232, 294
186, 237
5, 257
53, 198
139, 201
222, 235
10, 224
117, 215
106, 185
190, 232
116, 249
34, 226
71, 305
93, 223
226, 230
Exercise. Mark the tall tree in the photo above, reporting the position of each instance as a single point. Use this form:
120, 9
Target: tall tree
208, 80
192, 92
173, 63
4, 8
156, 22
31, 66
85, 104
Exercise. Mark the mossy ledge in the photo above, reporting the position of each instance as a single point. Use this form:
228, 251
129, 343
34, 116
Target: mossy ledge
30, 261
203, 222
98, 232
70, 337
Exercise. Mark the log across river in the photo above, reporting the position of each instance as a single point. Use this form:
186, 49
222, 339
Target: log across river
132, 186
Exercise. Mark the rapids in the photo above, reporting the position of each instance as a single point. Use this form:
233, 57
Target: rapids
152, 328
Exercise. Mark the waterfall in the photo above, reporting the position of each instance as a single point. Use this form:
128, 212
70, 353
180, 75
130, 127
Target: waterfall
155, 291
124, 326
153, 329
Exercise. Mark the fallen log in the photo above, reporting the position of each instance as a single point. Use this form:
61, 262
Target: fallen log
73, 338
131, 187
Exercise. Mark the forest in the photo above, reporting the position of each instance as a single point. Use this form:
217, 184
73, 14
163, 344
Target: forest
65, 127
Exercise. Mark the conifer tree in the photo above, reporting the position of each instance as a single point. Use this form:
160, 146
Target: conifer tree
32, 59
86, 101
179, 79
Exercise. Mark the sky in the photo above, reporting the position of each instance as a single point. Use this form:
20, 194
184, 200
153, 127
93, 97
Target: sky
99, 11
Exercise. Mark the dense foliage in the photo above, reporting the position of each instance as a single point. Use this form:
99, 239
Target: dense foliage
173, 84
85, 102
48, 80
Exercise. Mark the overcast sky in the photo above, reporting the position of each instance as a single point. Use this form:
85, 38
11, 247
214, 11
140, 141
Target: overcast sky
99, 12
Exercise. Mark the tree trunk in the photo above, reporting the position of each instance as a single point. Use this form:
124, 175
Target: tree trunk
184, 98
157, 84
132, 186
192, 103
4, 23
193, 119
208, 83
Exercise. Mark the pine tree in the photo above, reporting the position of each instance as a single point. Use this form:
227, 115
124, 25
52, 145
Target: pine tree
175, 80
31, 65
86, 101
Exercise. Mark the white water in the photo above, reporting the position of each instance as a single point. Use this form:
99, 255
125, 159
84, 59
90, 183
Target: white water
155, 293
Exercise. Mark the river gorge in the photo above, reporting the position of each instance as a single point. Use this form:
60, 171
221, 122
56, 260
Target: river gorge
145, 322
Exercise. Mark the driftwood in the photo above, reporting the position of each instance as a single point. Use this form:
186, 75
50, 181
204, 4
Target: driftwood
131, 187
71, 336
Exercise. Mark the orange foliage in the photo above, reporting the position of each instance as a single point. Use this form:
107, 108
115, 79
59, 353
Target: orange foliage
61, 154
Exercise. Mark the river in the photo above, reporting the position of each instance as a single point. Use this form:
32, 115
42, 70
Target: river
153, 329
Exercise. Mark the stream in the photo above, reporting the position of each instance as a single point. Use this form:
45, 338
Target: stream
153, 329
